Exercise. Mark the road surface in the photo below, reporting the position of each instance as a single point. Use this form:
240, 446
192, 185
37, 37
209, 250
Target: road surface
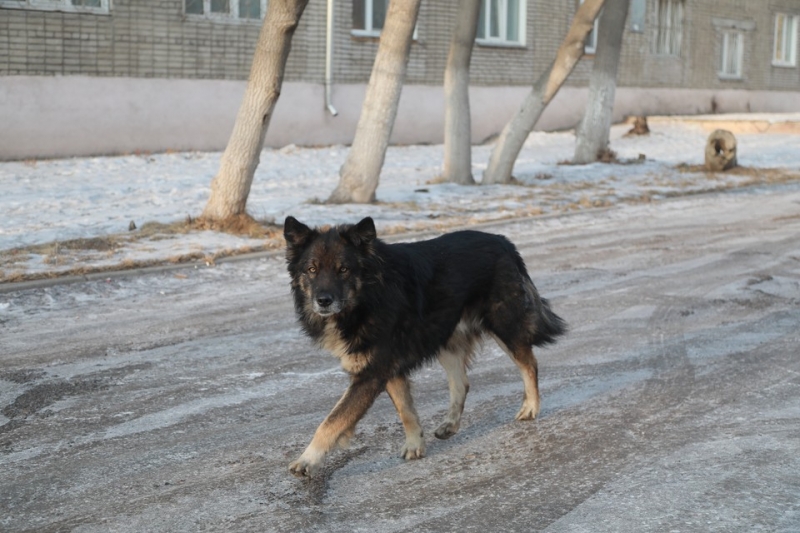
175, 401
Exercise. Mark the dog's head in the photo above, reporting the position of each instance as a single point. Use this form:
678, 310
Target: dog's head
327, 264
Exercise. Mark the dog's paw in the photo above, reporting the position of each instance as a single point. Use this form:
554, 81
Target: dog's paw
414, 448
529, 411
303, 468
446, 430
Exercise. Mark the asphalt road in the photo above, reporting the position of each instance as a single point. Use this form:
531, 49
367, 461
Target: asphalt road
175, 401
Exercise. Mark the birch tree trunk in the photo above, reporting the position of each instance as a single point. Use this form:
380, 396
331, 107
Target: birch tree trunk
231, 186
457, 127
505, 152
358, 177
593, 131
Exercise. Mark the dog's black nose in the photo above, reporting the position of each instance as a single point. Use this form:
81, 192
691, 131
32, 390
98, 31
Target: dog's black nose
324, 299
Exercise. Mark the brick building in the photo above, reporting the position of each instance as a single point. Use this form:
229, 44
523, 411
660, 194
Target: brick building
113, 76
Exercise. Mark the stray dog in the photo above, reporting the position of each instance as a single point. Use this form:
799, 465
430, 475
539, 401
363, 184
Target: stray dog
386, 309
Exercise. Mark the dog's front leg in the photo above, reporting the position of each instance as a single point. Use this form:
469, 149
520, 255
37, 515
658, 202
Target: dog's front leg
399, 390
339, 425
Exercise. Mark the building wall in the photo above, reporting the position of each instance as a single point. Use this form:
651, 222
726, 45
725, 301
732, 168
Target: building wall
139, 39
148, 77
155, 39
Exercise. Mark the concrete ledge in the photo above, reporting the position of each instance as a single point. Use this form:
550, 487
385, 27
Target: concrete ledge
741, 123
63, 116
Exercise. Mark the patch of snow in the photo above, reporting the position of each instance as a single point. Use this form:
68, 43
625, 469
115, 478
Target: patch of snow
65, 199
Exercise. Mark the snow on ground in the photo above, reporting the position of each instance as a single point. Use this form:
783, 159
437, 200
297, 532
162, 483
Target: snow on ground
56, 201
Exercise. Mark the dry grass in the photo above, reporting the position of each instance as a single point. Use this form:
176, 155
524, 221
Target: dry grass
242, 224
14, 256
75, 251
152, 229
756, 175
99, 244
130, 264
786, 218
608, 156
437, 180
407, 206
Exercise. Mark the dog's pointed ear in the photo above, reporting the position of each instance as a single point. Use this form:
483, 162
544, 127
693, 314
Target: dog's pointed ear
363, 233
295, 232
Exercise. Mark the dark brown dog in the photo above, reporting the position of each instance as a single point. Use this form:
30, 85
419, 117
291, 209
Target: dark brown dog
386, 309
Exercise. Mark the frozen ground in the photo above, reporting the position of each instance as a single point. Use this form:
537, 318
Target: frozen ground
44, 203
174, 401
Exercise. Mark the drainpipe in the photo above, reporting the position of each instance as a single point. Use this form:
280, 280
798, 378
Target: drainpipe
329, 60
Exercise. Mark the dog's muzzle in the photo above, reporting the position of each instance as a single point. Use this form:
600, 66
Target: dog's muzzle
325, 304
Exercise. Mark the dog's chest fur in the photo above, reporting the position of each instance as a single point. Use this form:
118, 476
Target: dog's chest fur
332, 340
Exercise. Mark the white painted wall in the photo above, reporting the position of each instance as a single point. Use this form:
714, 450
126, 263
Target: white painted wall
62, 116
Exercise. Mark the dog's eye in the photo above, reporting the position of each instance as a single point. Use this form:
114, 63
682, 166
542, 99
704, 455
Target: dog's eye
342, 270
312, 270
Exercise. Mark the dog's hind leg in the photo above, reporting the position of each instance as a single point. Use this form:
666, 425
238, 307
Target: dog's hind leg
513, 305
339, 425
529, 368
455, 366
399, 391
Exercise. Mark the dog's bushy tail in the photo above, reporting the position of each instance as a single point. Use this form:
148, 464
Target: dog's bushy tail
544, 323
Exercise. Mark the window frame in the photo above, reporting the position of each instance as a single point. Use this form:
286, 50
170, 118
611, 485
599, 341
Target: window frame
503, 40
793, 21
232, 17
64, 6
673, 43
373, 33
370, 31
725, 52
590, 46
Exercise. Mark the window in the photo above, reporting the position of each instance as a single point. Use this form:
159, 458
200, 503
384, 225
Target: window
502, 22
590, 47
636, 15
226, 9
69, 6
369, 16
785, 50
732, 53
669, 28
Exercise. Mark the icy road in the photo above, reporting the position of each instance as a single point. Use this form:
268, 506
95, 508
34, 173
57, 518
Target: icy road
174, 401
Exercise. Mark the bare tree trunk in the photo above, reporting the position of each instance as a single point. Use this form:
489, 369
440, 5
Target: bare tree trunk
457, 127
358, 177
594, 129
231, 186
508, 146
